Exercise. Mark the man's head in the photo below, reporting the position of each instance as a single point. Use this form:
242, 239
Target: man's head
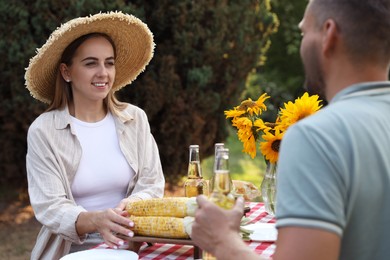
362, 26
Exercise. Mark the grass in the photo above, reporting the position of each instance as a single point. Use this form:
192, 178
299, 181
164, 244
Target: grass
242, 166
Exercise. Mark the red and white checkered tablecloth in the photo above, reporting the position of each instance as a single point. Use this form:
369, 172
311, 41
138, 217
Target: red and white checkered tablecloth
186, 252
157, 251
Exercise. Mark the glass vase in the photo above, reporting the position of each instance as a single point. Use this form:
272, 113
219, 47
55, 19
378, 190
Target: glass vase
268, 188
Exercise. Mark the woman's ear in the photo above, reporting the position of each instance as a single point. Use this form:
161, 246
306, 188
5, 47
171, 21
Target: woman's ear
65, 72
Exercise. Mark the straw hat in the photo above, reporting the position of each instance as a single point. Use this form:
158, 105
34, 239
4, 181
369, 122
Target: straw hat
132, 38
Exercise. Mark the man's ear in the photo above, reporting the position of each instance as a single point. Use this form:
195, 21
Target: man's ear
330, 37
65, 72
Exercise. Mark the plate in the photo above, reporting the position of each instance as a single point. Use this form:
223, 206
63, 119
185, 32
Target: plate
262, 232
102, 254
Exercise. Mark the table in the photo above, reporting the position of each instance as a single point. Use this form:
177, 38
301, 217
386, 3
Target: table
186, 252
181, 252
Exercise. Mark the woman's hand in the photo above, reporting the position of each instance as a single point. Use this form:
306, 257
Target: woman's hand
108, 223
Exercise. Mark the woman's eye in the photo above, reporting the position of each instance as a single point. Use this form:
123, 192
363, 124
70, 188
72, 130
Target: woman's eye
110, 62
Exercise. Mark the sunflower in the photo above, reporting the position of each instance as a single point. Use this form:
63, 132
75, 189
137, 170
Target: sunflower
234, 113
246, 134
254, 107
260, 101
246, 119
270, 146
301, 108
260, 125
250, 146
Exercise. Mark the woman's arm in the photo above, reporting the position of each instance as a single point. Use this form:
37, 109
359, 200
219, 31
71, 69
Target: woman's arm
50, 156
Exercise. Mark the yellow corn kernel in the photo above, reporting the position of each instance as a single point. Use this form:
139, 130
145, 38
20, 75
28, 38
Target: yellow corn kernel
169, 207
166, 227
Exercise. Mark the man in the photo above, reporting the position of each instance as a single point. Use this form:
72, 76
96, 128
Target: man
334, 168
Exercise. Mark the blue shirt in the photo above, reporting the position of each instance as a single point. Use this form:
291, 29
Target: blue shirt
334, 171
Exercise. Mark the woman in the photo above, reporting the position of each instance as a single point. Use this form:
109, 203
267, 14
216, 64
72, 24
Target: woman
89, 154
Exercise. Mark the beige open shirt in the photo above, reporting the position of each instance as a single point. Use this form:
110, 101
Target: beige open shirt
52, 160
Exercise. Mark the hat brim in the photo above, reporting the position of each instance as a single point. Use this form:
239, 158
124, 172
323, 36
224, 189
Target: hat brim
134, 50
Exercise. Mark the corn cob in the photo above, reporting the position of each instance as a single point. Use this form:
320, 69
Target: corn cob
166, 227
167, 207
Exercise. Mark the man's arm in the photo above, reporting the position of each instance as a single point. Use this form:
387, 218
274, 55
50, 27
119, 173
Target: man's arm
306, 244
216, 230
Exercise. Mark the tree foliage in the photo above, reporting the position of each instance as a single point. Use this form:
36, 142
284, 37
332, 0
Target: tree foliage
282, 76
204, 52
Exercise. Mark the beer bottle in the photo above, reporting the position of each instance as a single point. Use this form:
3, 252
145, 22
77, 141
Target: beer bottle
221, 194
195, 184
222, 187
217, 146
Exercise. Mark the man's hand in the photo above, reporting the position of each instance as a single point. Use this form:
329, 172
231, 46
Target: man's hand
214, 225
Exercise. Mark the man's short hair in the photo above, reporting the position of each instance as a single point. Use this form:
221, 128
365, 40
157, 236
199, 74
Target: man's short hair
364, 25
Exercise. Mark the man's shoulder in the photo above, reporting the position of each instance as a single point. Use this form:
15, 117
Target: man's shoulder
333, 116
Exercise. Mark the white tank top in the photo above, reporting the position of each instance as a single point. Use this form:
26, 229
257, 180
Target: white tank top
103, 175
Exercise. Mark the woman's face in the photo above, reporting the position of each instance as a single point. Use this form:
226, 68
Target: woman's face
92, 72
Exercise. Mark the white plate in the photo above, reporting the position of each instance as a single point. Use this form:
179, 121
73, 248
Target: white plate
262, 232
102, 254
